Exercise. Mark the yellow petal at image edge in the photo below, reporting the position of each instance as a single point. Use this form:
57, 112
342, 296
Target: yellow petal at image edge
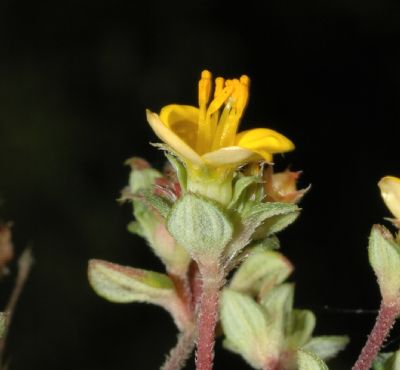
390, 191
174, 141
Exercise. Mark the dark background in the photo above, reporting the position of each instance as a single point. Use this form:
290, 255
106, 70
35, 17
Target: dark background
75, 79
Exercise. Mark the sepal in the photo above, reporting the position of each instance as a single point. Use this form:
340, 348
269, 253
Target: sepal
310, 361
263, 211
252, 219
151, 203
180, 170
275, 224
240, 194
327, 347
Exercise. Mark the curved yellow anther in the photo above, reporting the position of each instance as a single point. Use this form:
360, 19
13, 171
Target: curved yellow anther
205, 86
220, 99
241, 95
228, 127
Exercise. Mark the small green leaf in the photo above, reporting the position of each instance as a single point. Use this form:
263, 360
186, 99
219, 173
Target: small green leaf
270, 243
384, 257
262, 268
180, 169
310, 361
200, 226
252, 219
134, 227
121, 284
327, 346
275, 224
262, 211
299, 328
245, 327
387, 361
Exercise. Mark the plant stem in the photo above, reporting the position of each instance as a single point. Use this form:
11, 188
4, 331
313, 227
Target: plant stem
384, 322
195, 285
208, 317
181, 352
25, 262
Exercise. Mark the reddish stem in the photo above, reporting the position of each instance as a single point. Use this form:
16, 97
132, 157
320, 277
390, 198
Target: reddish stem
384, 322
195, 284
207, 321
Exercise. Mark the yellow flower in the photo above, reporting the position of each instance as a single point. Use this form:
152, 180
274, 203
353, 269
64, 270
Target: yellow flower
206, 139
390, 191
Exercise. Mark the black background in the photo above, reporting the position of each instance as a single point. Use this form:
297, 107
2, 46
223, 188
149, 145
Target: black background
75, 79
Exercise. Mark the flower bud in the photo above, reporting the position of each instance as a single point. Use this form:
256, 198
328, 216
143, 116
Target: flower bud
281, 186
201, 227
384, 257
152, 193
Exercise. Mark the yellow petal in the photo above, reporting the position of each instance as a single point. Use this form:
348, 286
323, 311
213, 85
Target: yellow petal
390, 191
229, 156
173, 140
264, 142
183, 120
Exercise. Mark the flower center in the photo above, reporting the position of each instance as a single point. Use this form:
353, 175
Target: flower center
219, 118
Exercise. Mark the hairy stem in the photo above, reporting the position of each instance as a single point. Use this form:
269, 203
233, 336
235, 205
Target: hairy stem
208, 317
384, 322
195, 285
181, 352
24, 266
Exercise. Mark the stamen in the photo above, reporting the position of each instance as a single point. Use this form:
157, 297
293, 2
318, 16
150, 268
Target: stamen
212, 119
219, 85
245, 86
221, 124
204, 96
205, 87
230, 125
220, 99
